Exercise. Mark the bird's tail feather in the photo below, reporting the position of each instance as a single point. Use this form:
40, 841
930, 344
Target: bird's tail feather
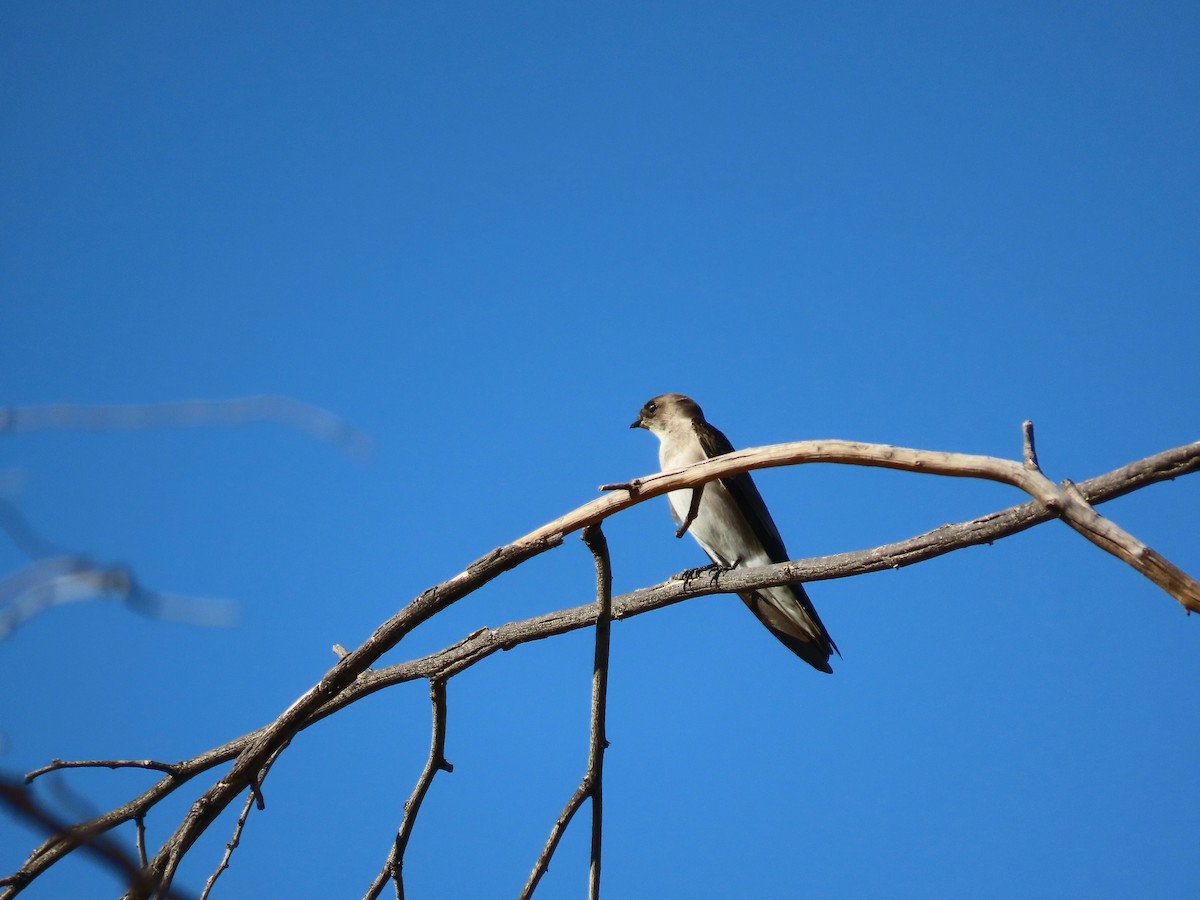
799, 629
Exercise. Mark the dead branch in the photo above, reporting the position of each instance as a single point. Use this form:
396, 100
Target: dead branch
1079, 515
233, 844
436, 762
350, 680
253, 799
56, 765
593, 777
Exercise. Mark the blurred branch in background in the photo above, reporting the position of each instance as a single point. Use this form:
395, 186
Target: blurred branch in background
60, 580
60, 576
23, 805
285, 411
24, 535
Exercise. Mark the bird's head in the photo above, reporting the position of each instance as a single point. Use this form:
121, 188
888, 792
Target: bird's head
666, 410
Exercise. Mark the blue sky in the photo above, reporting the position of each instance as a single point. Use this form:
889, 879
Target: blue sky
486, 234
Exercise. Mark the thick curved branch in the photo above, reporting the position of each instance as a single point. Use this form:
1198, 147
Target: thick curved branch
434, 600
349, 681
987, 529
1062, 501
268, 740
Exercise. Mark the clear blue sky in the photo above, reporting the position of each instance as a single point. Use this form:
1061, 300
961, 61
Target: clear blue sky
486, 234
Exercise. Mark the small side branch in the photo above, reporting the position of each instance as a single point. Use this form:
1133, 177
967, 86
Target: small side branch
56, 764
593, 778
139, 822
394, 866
1069, 504
253, 799
1031, 460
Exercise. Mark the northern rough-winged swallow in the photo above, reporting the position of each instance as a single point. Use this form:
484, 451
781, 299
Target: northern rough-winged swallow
730, 521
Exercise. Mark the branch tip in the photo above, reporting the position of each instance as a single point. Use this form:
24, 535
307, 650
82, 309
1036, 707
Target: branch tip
634, 487
1031, 460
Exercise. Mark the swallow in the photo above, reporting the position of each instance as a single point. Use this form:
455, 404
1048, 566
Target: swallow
730, 521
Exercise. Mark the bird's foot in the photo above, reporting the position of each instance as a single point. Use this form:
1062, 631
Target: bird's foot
713, 570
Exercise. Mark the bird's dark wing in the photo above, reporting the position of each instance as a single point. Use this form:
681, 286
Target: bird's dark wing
745, 494
814, 648
813, 644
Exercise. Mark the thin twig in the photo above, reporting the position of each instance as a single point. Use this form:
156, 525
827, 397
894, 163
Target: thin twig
593, 777
436, 762
232, 845
253, 799
596, 542
139, 822
58, 764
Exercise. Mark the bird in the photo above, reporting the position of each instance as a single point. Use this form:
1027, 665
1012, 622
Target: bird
730, 521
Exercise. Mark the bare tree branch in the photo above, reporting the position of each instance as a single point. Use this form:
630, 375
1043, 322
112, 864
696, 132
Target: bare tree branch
1031, 460
253, 798
593, 777
394, 867
140, 824
56, 765
349, 680
267, 741
594, 538
1086, 521
232, 845
21, 802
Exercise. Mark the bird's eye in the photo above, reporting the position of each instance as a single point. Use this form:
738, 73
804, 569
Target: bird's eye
651, 407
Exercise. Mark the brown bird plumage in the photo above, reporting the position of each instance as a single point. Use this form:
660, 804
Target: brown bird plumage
730, 521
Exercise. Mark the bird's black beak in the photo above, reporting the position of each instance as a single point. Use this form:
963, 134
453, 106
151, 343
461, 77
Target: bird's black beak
637, 423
